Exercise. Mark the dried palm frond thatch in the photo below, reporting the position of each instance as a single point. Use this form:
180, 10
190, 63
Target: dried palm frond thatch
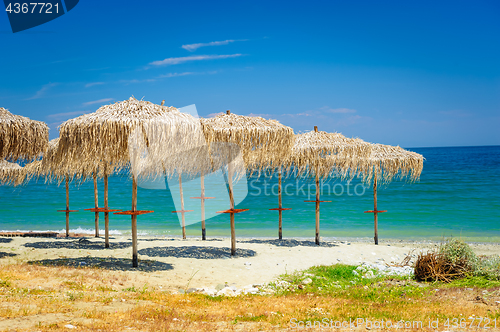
20, 137
263, 143
10, 173
56, 170
434, 266
105, 135
321, 153
387, 162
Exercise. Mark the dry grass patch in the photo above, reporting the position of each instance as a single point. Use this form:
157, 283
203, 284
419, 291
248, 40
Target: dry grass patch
93, 299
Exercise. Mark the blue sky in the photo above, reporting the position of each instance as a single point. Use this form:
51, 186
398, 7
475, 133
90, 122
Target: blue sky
408, 73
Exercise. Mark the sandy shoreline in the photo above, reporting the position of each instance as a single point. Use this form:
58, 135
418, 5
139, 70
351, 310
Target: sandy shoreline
173, 263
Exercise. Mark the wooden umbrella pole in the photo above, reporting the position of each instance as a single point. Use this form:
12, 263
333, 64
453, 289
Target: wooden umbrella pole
231, 199
203, 230
375, 208
203, 198
317, 204
280, 235
96, 203
135, 262
106, 214
67, 206
182, 208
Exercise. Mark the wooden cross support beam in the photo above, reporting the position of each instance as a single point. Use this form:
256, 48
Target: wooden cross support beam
133, 213
280, 209
101, 210
233, 211
203, 197
375, 211
67, 211
318, 201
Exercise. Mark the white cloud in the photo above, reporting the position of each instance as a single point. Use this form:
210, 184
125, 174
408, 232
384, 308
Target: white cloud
337, 110
88, 85
168, 75
176, 61
306, 113
65, 115
177, 74
263, 115
100, 101
194, 47
147, 80
40, 93
213, 115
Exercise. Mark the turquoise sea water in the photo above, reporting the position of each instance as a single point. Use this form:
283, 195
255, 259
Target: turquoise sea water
457, 195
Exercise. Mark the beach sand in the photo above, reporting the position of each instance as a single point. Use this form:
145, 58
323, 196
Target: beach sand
174, 263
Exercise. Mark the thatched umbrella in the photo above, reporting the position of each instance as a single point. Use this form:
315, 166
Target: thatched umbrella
263, 143
385, 163
108, 135
10, 173
319, 154
54, 170
20, 137
46, 168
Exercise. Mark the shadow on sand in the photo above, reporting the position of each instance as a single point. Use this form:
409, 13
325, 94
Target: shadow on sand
177, 239
291, 243
6, 254
6, 239
77, 244
195, 252
108, 263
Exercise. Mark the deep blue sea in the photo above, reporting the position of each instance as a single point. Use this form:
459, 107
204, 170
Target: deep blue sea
458, 195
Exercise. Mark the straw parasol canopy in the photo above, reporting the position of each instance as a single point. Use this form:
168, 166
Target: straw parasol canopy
114, 133
56, 170
262, 143
322, 154
11, 173
20, 137
104, 135
385, 163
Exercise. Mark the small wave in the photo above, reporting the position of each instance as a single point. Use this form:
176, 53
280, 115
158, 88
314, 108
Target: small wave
74, 230
89, 231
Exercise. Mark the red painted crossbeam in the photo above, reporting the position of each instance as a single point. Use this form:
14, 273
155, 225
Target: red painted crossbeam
233, 211
280, 209
101, 210
133, 212
377, 211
